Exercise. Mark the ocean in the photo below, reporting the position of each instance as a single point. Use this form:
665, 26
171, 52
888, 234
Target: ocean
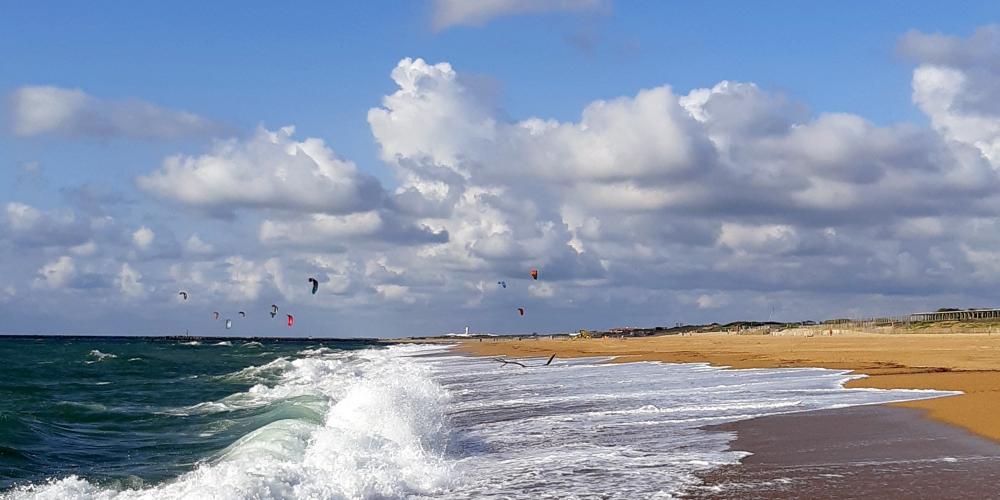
154, 418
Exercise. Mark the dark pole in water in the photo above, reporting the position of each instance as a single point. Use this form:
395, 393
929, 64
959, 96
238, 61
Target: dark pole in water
505, 362
522, 365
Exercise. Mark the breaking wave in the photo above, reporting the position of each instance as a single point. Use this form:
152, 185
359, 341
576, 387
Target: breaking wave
365, 424
395, 422
99, 356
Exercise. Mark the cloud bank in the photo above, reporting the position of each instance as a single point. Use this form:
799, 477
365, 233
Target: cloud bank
48, 110
727, 200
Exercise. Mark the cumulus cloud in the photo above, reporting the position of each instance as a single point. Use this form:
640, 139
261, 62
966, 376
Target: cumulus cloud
658, 204
541, 290
312, 197
713, 301
56, 274
769, 238
730, 185
449, 13
246, 279
21, 217
129, 282
195, 245
143, 237
395, 292
267, 171
334, 231
38, 110
435, 118
955, 84
28, 226
85, 249
731, 150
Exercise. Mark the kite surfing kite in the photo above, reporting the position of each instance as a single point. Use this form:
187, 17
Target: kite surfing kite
291, 320
520, 310
183, 294
243, 314
229, 323
502, 284
274, 310
534, 273
315, 285
215, 315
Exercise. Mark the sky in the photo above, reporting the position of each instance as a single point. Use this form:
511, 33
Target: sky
657, 162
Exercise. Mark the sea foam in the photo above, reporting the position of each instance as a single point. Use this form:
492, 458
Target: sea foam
99, 356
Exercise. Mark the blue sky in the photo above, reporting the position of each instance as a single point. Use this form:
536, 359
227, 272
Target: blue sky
323, 67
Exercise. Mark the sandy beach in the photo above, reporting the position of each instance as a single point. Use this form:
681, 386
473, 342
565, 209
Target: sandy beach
857, 452
956, 362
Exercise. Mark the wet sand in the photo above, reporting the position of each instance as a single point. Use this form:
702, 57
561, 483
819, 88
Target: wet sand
858, 452
964, 362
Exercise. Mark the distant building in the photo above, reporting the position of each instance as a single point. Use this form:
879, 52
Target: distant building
956, 315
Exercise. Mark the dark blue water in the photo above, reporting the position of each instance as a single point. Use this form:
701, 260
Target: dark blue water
106, 409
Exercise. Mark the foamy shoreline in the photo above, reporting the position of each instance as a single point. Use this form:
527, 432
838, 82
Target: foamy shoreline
955, 362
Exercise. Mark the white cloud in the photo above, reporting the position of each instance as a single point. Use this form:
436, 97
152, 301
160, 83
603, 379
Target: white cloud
449, 13
38, 110
43, 109
541, 290
246, 279
333, 231
143, 237
769, 238
938, 90
318, 228
985, 263
955, 85
379, 267
28, 226
195, 245
431, 94
85, 249
713, 301
434, 117
920, 227
268, 170
276, 271
21, 217
56, 274
337, 271
395, 292
129, 282
705, 204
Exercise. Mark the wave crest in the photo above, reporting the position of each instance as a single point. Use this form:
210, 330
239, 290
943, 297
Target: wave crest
344, 426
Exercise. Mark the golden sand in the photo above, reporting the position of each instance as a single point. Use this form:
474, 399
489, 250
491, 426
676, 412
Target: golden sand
961, 362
